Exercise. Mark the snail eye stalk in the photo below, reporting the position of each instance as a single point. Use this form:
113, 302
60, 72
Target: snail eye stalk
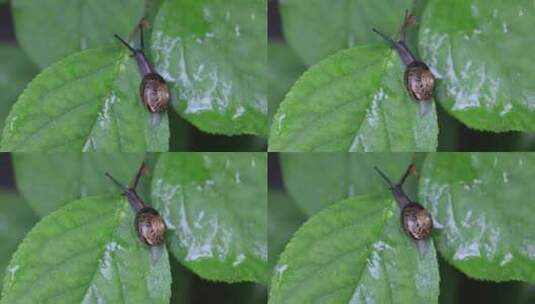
125, 43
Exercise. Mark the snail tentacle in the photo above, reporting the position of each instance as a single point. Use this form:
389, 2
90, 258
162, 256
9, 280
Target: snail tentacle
415, 219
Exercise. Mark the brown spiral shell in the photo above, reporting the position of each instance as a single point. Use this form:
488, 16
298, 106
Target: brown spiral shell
150, 226
154, 92
419, 81
416, 221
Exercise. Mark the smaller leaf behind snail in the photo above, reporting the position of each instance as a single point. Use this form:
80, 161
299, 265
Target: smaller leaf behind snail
419, 80
415, 219
149, 225
153, 89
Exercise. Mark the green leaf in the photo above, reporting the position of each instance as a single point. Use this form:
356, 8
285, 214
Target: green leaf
88, 101
215, 208
480, 209
481, 51
316, 180
50, 30
355, 100
16, 219
283, 70
213, 53
284, 219
49, 181
355, 251
16, 70
87, 251
316, 29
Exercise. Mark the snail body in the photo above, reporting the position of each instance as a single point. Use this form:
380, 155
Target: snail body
149, 225
153, 89
415, 219
419, 80
154, 92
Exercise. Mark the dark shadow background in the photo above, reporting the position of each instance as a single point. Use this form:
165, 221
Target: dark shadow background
184, 136
453, 136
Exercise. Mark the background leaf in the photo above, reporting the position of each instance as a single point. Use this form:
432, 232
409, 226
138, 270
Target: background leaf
87, 251
213, 53
316, 29
283, 70
16, 219
16, 70
284, 219
316, 180
215, 206
50, 30
87, 101
482, 56
353, 101
481, 212
49, 181
355, 251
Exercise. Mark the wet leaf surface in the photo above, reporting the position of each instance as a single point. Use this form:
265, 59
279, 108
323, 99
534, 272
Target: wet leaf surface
482, 56
87, 251
355, 251
215, 207
16, 70
353, 101
483, 216
316, 29
88, 101
316, 180
213, 53
49, 181
51, 30
16, 219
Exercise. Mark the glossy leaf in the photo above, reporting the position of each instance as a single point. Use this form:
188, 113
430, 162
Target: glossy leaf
16, 219
355, 100
482, 213
316, 180
49, 181
213, 53
88, 252
355, 251
50, 30
283, 70
284, 219
16, 70
483, 57
316, 29
88, 101
215, 208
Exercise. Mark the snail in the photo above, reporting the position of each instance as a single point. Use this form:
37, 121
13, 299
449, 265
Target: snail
419, 80
153, 89
415, 219
149, 225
